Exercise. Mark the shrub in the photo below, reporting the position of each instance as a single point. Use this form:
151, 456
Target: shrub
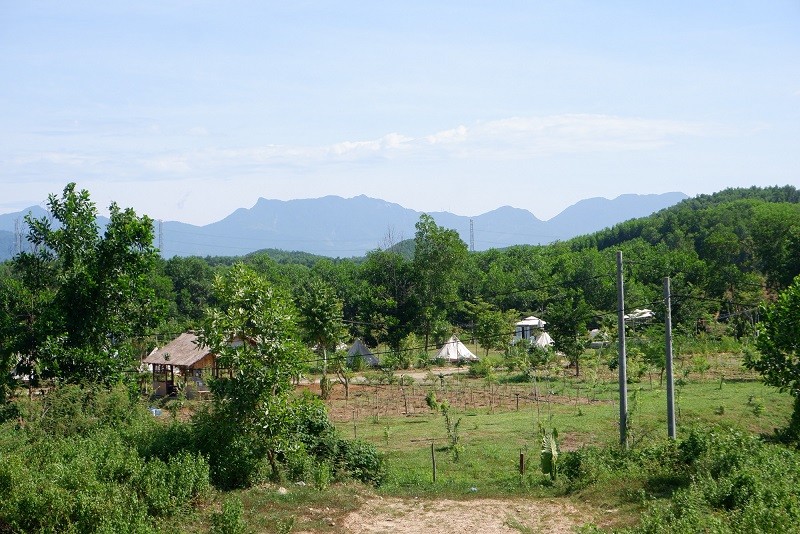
361, 460
229, 519
734, 482
167, 487
485, 367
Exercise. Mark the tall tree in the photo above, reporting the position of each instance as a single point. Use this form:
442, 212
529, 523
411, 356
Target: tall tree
321, 318
567, 318
82, 296
192, 279
492, 328
252, 329
387, 304
778, 345
439, 257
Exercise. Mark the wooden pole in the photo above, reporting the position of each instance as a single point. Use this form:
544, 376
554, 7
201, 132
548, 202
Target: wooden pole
433, 462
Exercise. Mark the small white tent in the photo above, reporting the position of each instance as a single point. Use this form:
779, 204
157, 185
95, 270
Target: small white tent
358, 349
544, 340
454, 350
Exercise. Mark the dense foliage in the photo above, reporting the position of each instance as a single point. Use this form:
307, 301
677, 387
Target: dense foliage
725, 253
717, 480
778, 342
77, 462
81, 304
74, 306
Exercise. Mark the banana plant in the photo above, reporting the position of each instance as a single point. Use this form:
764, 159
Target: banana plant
549, 454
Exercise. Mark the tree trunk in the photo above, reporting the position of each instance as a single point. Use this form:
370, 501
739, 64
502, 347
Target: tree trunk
273, 464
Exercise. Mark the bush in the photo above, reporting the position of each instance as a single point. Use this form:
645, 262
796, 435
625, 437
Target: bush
361, 460
96, 482
229, 519
167, 487
732, 482
235, 460
486, 366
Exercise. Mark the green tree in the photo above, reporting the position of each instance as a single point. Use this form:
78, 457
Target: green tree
387, 304
778, 345
321, 319
567, 318
493, 328
80, 298
439, 257
252, 329
192, 279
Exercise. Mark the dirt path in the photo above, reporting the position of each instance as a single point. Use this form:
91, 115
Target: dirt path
485, 516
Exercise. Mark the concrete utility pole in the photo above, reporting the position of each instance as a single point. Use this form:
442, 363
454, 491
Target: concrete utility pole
668, 348
623, 371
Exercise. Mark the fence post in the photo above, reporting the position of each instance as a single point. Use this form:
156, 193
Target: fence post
433, 462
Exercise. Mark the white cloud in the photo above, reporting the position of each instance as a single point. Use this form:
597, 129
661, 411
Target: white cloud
505, 139
508, 139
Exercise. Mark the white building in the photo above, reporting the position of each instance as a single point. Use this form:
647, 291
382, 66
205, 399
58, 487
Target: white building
528, 328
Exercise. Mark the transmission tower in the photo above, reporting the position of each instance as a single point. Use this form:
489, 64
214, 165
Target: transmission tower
471, 237
17, 236
161, 236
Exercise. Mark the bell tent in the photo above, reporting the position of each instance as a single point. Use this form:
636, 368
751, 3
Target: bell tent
359, 350
454, 350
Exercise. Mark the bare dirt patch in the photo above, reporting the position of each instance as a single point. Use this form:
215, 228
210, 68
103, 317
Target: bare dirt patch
490, 516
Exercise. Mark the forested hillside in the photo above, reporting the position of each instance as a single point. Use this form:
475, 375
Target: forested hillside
725, 253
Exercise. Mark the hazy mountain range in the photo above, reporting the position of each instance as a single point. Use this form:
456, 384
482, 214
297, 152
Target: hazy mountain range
344, 227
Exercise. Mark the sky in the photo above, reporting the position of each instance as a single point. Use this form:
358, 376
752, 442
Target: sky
189, 110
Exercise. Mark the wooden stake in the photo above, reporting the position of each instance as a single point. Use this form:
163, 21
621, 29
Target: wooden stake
433, 462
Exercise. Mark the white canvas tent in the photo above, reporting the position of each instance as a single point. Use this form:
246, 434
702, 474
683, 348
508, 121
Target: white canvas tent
359, 349
454, 350
544, 340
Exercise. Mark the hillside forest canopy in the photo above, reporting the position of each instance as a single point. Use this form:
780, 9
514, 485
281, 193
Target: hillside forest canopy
83, 304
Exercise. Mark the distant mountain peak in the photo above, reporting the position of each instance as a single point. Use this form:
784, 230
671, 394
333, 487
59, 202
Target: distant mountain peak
345, 227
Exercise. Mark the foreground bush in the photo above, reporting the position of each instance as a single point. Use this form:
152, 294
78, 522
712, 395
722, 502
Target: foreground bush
88, 459
712, 481
72, 465
238, 460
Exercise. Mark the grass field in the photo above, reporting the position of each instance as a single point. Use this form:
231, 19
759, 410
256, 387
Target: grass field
500, 419
493, 436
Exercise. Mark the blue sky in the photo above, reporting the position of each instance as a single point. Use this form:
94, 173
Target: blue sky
189, 110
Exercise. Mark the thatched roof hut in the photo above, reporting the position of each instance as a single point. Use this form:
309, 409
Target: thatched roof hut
184, 355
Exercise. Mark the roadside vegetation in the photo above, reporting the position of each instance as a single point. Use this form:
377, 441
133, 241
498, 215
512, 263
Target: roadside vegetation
295, 437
